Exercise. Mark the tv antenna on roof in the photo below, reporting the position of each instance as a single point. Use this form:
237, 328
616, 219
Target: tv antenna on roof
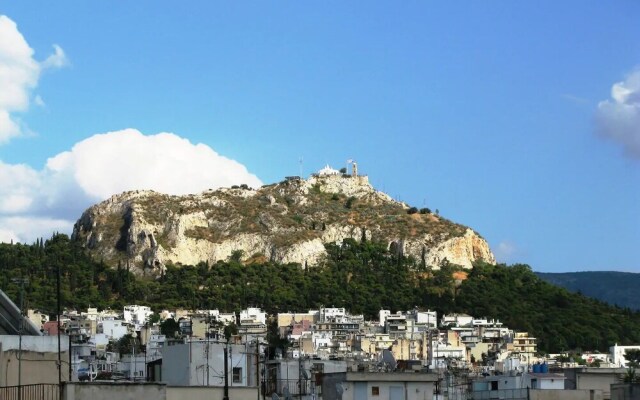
300, 160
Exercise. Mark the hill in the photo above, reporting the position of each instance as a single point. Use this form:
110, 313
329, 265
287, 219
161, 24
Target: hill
362, 276
619, 288
287, 222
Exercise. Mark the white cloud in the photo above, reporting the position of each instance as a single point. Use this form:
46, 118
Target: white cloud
103, 165
619, 117
574, 98
27, 228
113, 162
18, 185
8, 127
39, 102
505, 252
57, 60
19, 74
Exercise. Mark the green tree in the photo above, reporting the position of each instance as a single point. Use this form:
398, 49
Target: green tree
127, 344
350, 202
633, 357
633, 361
169, 327
274, 340
229, 331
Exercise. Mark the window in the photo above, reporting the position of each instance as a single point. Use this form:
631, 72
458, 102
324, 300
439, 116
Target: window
318, 367
237, 375
375, 390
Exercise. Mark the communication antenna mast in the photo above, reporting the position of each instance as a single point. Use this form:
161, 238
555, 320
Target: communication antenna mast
349, 161
300, 161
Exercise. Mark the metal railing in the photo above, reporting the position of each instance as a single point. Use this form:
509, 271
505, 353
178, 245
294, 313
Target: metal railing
511, 394
42, 391
292, 387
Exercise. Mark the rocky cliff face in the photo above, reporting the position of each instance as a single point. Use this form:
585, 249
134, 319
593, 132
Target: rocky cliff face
285, 222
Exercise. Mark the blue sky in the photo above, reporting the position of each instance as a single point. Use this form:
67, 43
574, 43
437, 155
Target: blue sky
498, 114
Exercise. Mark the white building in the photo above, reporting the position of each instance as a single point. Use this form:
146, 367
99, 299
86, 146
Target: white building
322, 340
38, 318
500, 386
38, 355
602, 358
618, 354
201, 363
429, 318
227, 318
91, 314
114, 329
154, 346
133, 367
296, 377
108, 314
382, 316
99, 341
443, 352
458, 320
327, 170
409, 325
136, 315
332, 314
253, 315
375, 386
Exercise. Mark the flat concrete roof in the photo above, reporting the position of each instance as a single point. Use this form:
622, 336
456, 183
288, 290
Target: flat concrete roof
390, 377
598, 370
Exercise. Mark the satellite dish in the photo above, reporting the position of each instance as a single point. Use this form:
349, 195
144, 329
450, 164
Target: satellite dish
274, 396
339, 389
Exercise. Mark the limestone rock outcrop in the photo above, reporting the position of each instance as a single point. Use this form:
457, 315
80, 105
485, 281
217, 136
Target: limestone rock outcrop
288, 222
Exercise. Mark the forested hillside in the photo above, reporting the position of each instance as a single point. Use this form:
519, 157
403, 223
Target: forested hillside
361, 276
619, 288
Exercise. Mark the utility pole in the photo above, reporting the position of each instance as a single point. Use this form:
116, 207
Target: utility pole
226, 372
133, 360
258, 368
256, 354
265, 373
70, 358
300, 376
208, 333
58, 320
207, 352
